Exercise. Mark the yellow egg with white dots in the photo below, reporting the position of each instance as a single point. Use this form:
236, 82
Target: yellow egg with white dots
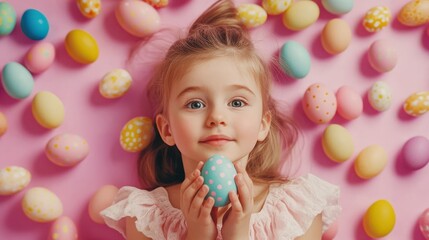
136, 134
275, 7
251, 15
41, 205
115, 83
377, 18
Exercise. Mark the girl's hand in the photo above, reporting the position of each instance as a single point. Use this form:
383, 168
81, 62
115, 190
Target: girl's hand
195, 209
237, 219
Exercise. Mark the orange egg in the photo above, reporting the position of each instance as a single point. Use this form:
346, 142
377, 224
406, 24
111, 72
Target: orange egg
414, 13
3, 124
336, 36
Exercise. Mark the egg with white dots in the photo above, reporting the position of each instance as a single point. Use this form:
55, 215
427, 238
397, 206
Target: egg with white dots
377, 18
136, 134
251, 15
115, 83
380, 96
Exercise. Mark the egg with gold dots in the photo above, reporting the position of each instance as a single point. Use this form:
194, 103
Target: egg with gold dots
377, 18
115, 83
319, 103
66, 150
7, 18
380, 96
136, 134
41, 205
63, 229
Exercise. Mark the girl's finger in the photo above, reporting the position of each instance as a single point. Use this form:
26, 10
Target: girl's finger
197, 203
244, 193
235, 202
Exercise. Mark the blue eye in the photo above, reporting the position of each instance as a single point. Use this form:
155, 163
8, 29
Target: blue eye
195, 105
237, 103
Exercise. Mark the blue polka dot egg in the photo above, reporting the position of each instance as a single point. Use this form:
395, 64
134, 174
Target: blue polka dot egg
218, 173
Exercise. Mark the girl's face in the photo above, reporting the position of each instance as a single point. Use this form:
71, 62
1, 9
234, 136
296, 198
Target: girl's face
216, 108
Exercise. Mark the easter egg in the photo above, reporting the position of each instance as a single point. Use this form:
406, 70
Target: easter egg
48, 110
115, 83
382, 56
376, 19
370, 161
380, 96
3, 124
66, 150
13, 179
416, 152
424, 223
319, 103
136, 134
251, 15
63, 229
336, 36
338, 7
337, 143
41, 205
81, 46
89, 8
379, 219
276, 7
7, 18
137, 18
157, 3
34, 24
100, 200
17, 80
414, 13
295, 59
350, 104
218, 173
417, 104
40, 57
300, 15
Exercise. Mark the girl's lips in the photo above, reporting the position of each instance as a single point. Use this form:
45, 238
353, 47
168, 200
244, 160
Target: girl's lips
216, 140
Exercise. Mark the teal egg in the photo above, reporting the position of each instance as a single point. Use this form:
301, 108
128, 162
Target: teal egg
338, 7
17, 80
7, 18
34, 24
295, 59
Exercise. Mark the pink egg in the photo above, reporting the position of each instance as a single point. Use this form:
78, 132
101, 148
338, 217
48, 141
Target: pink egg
66, 150
416, 152
319, 103
63, 229
40, 57
101, 199
382, 56
424, 223
350, 104
331, 232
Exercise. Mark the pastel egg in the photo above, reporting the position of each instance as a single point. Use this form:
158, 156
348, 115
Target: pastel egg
48, 110
350, 104
300, 15
81, 46
276, 7
40, 57
319, 103
137, 18
377, 18
336, 36
370, 161
414, 13
337, 143
7, 18
218, 173
416, 152
13, 179
89, 8
66, 150
136, 134
251, 15
417, 104
41, 205
424, 223
380, 96
115, 83
157, 3
3, 124
100, 200
17, 80
382, 56
338, 7
34, 24
379, 219
294, 59
63, 229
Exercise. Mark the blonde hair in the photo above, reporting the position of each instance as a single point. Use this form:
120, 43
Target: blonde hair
217, 32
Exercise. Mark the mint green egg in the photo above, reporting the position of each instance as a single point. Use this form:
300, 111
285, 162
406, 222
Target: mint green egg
338, 7
295, 59
7, 18
17, 80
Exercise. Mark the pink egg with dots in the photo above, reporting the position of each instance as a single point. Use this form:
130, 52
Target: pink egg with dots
63, 229
382, 56
40, 57
424, 223
319, 103
66, 150
350, 103
416, 152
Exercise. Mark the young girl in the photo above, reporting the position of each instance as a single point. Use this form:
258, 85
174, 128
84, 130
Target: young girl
211, 96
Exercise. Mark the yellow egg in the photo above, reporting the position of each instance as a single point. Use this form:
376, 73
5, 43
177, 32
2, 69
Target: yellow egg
89, 8
157, 3
13, 179
251, 15
41, 205
337, 143
370, 161
136, 134
414, 13
115, 83
275, 7
48, 110
376, 19
81, 46
379, 219
300, 15
336, 36
417, 104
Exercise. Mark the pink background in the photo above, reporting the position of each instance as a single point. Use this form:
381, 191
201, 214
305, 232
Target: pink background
99, 120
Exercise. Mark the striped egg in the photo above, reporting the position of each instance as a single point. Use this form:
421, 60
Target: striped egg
251, 15
414, 13
89, 8
319, 103
115, 83
136, 134
417, 104
275, 7
13, 179
377, 18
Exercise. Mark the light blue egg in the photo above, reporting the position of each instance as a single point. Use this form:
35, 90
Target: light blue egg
218, 173
34, 24
295, 59
7, 18
338, 7
17, 80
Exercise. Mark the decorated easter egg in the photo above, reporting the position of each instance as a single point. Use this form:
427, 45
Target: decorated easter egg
63, 229
251, 15
300, 15
40, 57
115, 83
338, 7
370, 161
377, 18
380, 96
7, 18
319, 103
48, 110
89, 8
34, 24
136, 134
424, 223
13, 179
81, 46
417, 104
416, 152
331, 232
137, 18
218, 173
295, 59
276, 7
17, 80
101, 199
41, 205
3, 124
350, 104
336, 36
157, 3
382, 55
379, 219
66, 150
414, 13
337, 143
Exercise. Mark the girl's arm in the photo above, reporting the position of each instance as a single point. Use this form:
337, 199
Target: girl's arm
131, 231
315, 230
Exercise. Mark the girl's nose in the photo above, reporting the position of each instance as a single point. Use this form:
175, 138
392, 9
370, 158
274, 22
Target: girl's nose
216, 118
